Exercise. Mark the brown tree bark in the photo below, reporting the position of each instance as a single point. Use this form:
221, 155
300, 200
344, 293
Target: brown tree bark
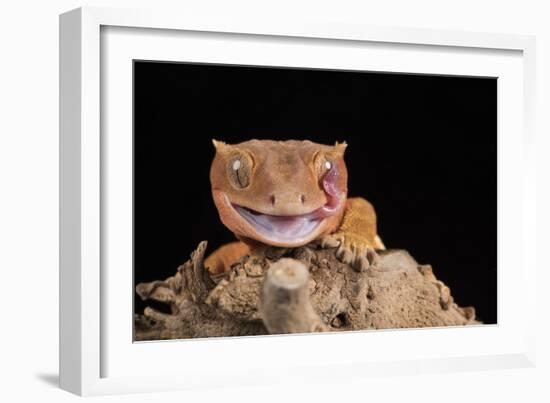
298, 290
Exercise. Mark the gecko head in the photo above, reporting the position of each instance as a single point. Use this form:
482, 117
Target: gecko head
280, 193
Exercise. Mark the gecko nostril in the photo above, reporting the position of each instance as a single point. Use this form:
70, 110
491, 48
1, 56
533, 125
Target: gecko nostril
303, 198
272, 199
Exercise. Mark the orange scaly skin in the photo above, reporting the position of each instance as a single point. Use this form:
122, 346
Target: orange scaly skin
288, 194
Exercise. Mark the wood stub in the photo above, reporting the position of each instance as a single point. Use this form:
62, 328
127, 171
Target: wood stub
284, 305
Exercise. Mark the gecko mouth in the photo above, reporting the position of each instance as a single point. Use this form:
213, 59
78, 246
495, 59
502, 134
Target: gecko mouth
282, 228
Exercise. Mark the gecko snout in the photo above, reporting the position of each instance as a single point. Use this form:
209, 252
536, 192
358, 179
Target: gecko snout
273, 199
291, 203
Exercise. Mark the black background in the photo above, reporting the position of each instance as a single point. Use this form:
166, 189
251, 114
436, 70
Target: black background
421, 148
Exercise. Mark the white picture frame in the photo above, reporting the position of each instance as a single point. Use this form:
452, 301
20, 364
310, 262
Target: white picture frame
96, 355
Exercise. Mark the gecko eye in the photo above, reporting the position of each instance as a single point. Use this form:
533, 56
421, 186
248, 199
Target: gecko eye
322, 163
239, 170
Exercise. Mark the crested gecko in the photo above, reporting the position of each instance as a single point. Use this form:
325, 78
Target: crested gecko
288, 194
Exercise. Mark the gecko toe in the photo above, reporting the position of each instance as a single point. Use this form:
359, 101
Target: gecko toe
372, 257
365, 260
330, 242
361, 264
344, 254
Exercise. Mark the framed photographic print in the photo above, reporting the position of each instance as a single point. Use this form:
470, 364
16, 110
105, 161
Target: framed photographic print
267, 193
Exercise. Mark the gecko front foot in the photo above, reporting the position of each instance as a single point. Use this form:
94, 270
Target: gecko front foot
352, 249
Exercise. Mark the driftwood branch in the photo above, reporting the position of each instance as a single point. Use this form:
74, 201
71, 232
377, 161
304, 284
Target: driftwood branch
298, 290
